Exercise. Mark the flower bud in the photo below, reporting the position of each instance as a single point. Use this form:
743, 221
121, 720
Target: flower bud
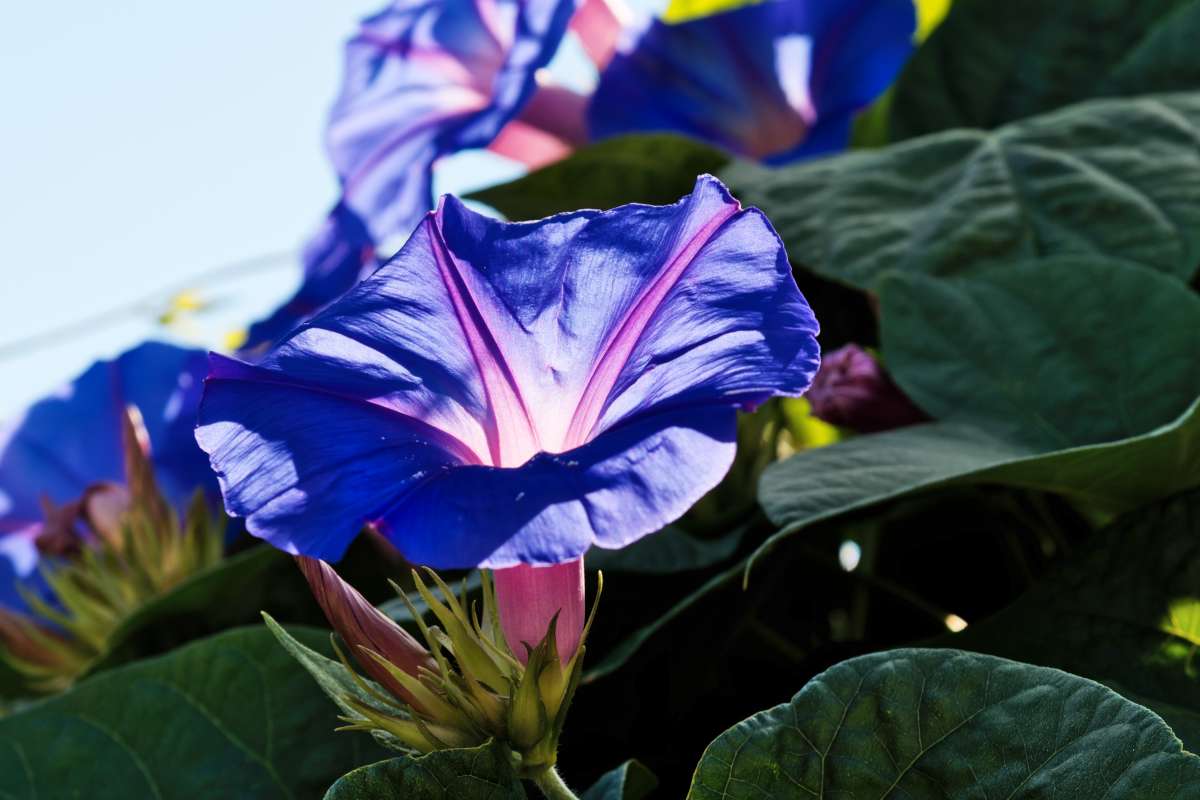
363, 626
853, 391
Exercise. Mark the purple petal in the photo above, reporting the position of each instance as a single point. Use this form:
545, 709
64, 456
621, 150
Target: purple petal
424, 79
757, 80
511, 393
18, 563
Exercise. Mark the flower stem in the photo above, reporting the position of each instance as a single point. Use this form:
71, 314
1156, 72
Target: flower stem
552, 786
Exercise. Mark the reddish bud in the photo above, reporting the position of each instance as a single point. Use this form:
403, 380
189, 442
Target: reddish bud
362, 625
853, 391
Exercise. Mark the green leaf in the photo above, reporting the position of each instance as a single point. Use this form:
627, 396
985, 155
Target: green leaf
230, 593
231, 716
654, 168
630, 781
479, 773
336, 681
619, 655
1117, 476
990, 63
1058, 353
940, 723
669, 551
1124, 611
1108, 178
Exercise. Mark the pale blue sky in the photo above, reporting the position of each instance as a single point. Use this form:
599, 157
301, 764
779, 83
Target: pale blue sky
146, 141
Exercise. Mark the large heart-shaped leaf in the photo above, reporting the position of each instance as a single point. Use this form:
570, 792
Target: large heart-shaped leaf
1059, 353
819, 484
477, 773
230, 593
1124, 611
990, 63
1109, 178
643, 168
940, 723
231, 716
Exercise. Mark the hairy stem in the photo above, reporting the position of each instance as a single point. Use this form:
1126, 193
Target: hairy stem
552, 785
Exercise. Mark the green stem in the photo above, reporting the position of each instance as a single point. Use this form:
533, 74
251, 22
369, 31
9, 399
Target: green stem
552, 786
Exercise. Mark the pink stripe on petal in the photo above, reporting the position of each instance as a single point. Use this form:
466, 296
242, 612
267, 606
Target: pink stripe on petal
558, 111
598, 24
621, 344
528, 145
529, 597
512, 436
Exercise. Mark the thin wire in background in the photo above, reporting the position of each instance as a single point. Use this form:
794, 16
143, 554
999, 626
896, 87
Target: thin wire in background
150, 303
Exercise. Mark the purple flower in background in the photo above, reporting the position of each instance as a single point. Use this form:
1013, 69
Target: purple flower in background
774, 81
65, 454
853, 391
423, 79
502, 394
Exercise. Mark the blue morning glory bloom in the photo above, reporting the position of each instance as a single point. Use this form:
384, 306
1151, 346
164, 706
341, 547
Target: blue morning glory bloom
500, 394
71, 441
775, 81
423, 79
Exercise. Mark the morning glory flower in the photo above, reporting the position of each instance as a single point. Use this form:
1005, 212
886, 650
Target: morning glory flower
422, 79
502, 394
64, 455
774, 81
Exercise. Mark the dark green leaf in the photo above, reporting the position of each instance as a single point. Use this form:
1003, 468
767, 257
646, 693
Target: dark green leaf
630, 781
1124, 611
670, 550
1108, 178
231, 716
230, 593
479, 773
990, 63
941, 723
655, 168
1057, 353
823, 483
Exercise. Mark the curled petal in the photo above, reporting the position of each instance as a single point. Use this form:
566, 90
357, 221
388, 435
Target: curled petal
362, 625
852, 390
775, 81
513, 393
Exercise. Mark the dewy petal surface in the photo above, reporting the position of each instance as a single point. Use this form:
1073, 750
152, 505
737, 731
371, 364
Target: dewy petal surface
71, 440
775, 81
424, 78
512, 393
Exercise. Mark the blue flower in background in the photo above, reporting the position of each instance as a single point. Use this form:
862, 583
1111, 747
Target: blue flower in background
502, 394
70, 443
775, 81
422, 79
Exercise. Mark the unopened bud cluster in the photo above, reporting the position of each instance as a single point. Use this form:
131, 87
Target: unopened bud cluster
465, 686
